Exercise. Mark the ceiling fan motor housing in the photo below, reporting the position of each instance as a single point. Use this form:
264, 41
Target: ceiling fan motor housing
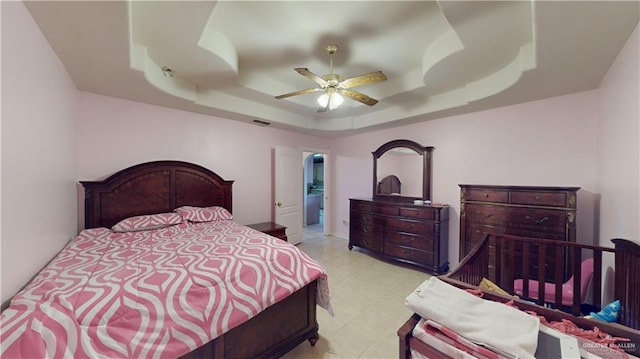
333, 80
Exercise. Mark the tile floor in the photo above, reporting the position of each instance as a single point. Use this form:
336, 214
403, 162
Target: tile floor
367, 295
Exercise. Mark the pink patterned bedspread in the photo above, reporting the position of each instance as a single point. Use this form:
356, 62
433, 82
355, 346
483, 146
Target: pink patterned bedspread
159, 293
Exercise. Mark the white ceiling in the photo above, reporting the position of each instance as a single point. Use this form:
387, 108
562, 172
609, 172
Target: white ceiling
230, 58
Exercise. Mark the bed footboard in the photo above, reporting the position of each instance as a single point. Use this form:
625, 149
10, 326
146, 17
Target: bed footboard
295, 318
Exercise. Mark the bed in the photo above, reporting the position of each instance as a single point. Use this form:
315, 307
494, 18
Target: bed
179, 278
512, 264
390, 185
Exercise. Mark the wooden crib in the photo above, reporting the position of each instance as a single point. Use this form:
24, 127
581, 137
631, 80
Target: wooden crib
505, 260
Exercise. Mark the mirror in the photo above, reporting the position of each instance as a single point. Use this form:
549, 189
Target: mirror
402, 171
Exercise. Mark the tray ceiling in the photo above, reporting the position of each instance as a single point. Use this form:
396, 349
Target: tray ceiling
230, 58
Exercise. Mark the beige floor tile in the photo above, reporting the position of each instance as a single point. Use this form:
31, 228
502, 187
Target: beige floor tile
367, 295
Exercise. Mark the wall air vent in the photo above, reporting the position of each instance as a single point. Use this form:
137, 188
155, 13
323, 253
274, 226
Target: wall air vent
261, 123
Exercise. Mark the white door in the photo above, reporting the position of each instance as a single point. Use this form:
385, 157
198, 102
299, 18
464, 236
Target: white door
288, 191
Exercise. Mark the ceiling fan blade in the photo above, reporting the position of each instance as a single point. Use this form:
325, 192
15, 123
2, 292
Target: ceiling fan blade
301, 92
365, 79
315, 78
360, 97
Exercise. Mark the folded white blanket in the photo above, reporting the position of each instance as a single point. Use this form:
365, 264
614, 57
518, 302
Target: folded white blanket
482, 321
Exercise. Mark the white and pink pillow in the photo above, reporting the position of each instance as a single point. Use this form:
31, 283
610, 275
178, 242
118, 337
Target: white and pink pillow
147, 222
204, 214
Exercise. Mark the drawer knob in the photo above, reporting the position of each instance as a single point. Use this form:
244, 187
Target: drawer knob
486, 195
536, 197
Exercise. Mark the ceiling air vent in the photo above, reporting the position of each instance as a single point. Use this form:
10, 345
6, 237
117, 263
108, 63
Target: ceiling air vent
261, 123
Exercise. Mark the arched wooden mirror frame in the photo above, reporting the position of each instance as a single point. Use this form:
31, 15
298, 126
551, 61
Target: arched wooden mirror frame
423, 151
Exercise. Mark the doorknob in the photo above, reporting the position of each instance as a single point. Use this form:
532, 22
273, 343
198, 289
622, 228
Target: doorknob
279, 204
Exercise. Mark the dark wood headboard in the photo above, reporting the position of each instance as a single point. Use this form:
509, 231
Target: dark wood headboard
389, 185
153, 187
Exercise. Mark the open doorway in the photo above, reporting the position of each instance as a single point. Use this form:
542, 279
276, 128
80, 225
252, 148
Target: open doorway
314, 213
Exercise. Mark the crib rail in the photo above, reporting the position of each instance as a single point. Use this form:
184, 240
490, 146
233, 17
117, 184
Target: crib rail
627, 281
505, 258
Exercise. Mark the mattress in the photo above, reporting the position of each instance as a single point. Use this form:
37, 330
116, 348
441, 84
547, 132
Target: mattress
155, 293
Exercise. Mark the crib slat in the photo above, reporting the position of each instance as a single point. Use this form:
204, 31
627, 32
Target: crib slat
542, 248
559, 266
526, 252
576, 260
597, 279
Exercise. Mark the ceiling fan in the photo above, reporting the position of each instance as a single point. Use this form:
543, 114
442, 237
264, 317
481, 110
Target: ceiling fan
334, 86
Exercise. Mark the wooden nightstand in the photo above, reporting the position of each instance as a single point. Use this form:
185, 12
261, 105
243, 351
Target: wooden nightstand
270, 228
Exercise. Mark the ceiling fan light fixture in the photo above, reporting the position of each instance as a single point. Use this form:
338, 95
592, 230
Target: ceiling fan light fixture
323, 100
333, 100
332, 83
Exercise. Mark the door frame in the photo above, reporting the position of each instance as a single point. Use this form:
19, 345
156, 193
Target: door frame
327, 184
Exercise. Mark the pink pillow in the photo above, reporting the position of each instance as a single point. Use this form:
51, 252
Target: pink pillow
147, 222
204, 214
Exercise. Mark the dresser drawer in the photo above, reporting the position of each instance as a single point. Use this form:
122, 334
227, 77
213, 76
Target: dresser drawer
426, 213
410, 240
366, 236
383, 208
475, 232
370, 243
468, 247
410, 254
486, 195
551, 199
367, 230
537, 220
367, 218
405, 225
361, 206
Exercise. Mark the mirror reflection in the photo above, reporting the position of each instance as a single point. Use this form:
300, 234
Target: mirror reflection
402, 171
399, 173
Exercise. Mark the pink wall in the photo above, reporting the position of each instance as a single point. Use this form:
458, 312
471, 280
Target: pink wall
114, 134
38, 150
550, 142
619, 146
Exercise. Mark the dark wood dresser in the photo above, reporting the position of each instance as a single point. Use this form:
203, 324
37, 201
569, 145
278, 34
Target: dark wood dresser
414, 234
538, 212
